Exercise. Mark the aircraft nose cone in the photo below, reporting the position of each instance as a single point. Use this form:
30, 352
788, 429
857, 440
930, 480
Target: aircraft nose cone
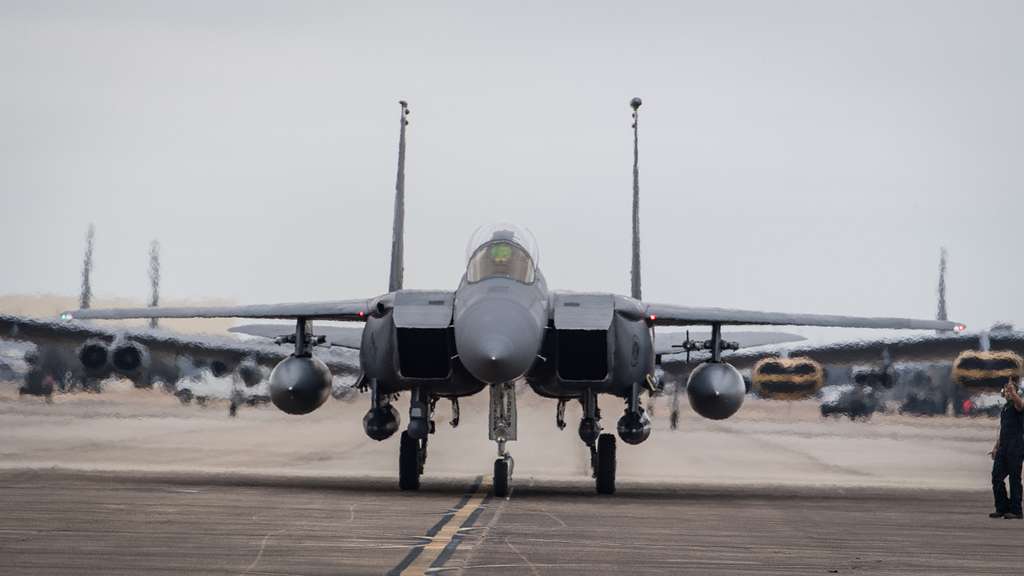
496, 343
496, 360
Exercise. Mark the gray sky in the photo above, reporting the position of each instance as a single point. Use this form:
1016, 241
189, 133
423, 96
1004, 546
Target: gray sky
796, 156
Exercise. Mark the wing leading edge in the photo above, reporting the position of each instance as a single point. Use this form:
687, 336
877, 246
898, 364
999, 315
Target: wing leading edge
670, 315
336, 310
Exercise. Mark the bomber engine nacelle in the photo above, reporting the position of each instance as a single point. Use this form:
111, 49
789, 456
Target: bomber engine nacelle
787, 378
250, 373
300, 384
220, 368
715, 390
94, 356
129, 359
978, 371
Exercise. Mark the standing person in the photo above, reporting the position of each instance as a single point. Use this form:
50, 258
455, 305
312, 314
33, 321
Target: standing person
1008, 454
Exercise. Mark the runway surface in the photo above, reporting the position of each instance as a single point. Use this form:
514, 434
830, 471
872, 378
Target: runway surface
130, 482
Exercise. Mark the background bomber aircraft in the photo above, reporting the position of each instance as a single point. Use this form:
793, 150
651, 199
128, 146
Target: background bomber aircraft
70, 357
502, 324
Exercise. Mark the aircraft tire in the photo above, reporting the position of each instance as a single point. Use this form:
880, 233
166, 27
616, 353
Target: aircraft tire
501, 477
408, 463
606, 464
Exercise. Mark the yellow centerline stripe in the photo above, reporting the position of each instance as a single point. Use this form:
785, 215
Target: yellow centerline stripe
444, 536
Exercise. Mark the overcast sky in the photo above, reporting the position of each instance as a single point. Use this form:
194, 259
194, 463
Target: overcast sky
795, 156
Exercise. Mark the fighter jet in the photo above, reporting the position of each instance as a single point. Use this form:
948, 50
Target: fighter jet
501, 325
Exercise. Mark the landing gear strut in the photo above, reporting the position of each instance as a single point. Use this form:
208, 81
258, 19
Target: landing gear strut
602, 446
503, 429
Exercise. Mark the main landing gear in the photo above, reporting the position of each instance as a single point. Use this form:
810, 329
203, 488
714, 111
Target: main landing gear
412, 450
502, 429
412, 455
602, 446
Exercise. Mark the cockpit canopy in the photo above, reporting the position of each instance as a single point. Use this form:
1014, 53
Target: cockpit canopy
501, 251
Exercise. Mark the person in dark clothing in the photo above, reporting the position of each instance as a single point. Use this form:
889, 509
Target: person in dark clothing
1008, 454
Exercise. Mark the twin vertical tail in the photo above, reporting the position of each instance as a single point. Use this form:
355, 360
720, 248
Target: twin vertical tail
941, 313
634, 275
154, 278
85, 298
398, 231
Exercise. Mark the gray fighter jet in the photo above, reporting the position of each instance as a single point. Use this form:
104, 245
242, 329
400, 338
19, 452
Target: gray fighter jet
501, 325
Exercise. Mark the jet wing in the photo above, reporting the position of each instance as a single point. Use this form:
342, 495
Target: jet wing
334, 310
669, 343
341, 336
204, 347
670, 315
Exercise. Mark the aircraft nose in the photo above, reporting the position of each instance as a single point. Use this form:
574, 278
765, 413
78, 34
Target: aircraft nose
496, 343
495, 360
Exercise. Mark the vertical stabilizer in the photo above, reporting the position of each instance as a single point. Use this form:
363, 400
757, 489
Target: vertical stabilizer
85, 298
398, 231
634, 276
941, 313
154, 278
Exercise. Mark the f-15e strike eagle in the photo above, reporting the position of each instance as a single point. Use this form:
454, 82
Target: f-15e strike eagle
502, 325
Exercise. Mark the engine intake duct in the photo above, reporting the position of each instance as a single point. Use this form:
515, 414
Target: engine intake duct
129, 359
787, 378
251, 373
424, 352
981, 371
582, 354
94, 356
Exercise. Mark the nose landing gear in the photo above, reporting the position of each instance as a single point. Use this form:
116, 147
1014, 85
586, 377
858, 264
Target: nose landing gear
502, 429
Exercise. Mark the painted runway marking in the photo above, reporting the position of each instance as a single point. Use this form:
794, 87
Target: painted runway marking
445, 536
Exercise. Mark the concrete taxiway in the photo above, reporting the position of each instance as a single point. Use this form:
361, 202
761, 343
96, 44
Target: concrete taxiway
130, 482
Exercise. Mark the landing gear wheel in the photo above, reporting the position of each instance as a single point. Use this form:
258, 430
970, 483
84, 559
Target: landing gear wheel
409, 463
606, 464
502, 471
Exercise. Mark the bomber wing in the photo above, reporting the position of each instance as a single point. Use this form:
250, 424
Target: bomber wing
333, 310
204, 347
